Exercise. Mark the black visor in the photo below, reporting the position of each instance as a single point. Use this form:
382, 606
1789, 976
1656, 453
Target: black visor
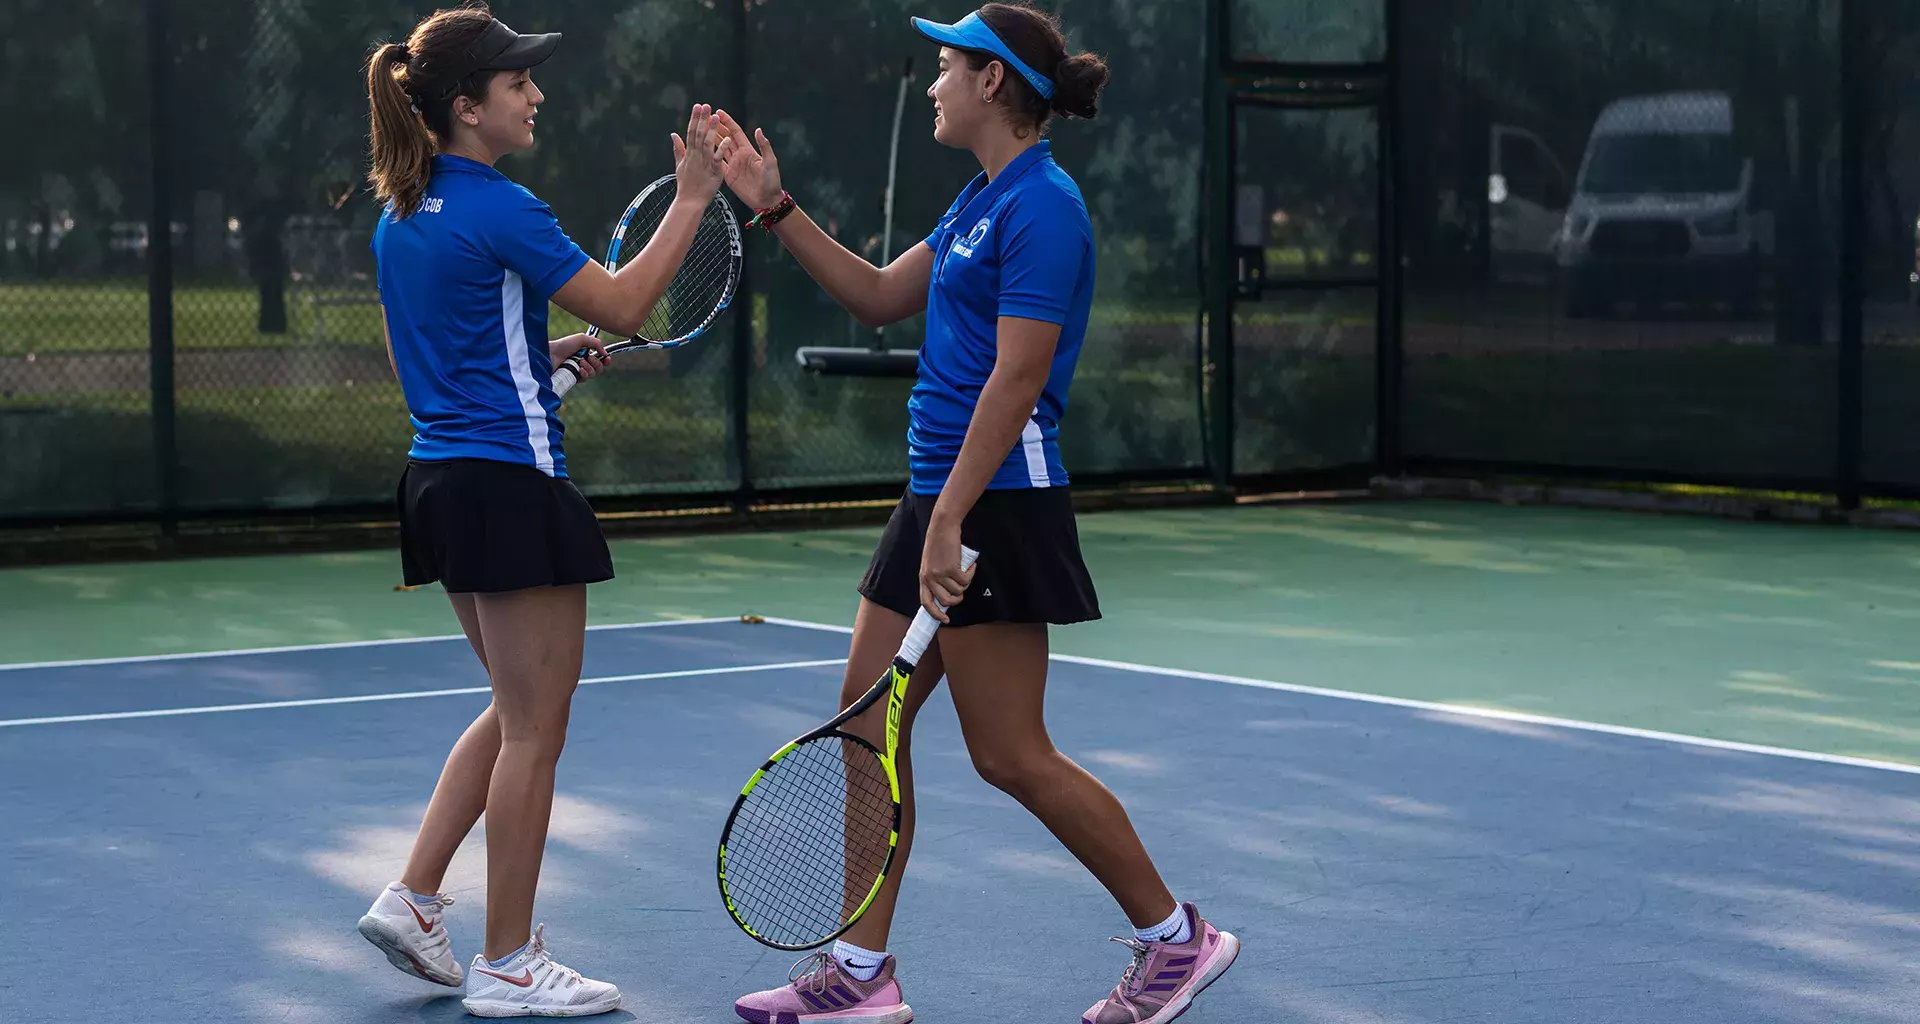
499, 48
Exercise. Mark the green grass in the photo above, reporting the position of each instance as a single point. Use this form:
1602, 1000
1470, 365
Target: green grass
111, 316
1728, 410
633, 432
293, 447
58, 318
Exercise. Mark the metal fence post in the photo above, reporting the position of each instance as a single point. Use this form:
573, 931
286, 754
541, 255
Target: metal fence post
1218, 157
1387, 327
1854, 102
737, 390
160, 271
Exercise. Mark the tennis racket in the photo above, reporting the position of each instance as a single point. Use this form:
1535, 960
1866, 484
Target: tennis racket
700, 290
812, 836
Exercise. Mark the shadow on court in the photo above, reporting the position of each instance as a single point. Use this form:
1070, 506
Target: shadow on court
1379, 863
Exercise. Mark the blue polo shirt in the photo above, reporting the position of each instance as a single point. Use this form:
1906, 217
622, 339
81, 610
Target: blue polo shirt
1022, 246
465, 282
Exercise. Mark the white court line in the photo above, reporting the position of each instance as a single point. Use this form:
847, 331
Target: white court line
367, 698
1494, 714
339, 645
1503, 716
804, 624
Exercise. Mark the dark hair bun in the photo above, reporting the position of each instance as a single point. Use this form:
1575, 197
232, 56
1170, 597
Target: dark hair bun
1076, 85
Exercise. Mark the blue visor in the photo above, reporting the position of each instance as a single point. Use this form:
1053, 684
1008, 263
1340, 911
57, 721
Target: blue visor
971, 33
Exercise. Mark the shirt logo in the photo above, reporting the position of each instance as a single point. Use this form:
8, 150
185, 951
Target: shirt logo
431, 204
965, 247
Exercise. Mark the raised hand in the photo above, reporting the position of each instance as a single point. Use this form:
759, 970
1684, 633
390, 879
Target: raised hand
697, 167
751, 169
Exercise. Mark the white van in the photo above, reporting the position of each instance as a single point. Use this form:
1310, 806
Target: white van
1663, 208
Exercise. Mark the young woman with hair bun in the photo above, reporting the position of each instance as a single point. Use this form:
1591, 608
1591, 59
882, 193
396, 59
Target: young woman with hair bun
1006, 280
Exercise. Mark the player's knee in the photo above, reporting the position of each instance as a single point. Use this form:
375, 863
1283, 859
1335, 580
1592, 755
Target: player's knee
1012, 771
543, 732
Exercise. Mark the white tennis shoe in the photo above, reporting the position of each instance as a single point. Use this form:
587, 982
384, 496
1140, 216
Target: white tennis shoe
533, 985
412, 935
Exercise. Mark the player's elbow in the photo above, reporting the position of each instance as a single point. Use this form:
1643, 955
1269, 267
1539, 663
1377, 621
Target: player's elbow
878, 307
632, 306
625, 318
621, 325
1017, 387
889, 297
1023, 371
614, 311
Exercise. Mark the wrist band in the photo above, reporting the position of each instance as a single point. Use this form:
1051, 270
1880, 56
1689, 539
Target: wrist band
774, 214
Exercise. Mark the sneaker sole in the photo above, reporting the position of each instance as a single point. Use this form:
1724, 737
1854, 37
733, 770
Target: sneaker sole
387, 941
1229, 952
900, 1014
492, 1008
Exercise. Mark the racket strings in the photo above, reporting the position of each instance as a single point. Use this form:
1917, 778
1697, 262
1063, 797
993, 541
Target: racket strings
806, 892
797, 822
704, 281
810, 841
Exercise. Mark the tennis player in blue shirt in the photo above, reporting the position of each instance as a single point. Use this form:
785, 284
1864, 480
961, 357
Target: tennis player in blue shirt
468, 262
1006, 281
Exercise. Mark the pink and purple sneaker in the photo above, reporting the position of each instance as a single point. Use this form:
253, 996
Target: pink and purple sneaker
819, 992
1163, 978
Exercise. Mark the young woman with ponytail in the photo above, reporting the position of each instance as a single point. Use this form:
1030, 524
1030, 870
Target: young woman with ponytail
468, 261
1006, 281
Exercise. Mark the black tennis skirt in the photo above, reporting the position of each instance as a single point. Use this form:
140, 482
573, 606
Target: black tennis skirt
1030, 569
483, 526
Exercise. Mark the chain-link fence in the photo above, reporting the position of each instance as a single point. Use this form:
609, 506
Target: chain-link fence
1671, 240
1888, 256
281, 395
1628, 240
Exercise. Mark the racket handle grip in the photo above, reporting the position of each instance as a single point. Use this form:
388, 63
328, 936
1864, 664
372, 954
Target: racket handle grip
920, 634
566, 376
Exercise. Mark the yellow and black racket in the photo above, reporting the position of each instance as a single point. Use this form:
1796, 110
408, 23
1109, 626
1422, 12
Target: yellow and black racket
812, 836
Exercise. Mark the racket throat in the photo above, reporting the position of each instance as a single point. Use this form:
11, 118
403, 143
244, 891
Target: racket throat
896, 703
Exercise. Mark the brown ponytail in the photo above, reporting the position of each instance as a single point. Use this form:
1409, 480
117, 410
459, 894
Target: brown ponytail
1036, 38
402, 148
410, 111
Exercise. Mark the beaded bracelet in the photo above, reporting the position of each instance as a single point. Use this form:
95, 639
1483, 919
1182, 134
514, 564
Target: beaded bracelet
774, 214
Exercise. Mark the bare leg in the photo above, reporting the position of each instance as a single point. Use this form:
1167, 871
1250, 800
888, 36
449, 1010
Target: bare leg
999, 675
877, 633
533, 639
461, 794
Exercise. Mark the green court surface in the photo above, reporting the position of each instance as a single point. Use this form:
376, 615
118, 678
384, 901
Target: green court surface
1790, 636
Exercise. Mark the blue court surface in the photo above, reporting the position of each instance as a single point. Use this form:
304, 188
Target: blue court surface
194, 838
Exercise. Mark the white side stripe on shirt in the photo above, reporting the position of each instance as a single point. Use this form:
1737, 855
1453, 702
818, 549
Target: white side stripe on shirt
1037, 474
512, 317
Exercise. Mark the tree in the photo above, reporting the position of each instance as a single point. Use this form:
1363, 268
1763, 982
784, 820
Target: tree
73, 79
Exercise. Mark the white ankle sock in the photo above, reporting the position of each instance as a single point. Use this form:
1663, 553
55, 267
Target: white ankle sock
861, 964
505, 960
1174, 930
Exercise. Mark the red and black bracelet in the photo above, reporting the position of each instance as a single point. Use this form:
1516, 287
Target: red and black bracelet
774, 214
